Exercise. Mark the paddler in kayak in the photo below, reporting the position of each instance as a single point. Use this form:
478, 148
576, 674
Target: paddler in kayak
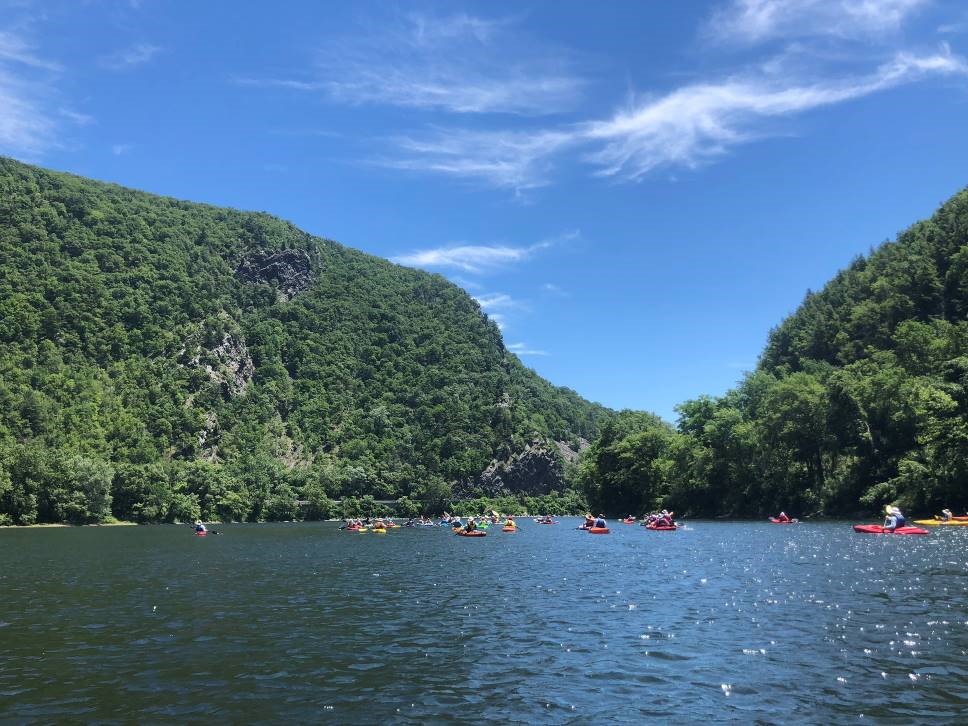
588, 523
894, 518
600, 522
471, 525
782, 517
946, 515
509, 522
199, 527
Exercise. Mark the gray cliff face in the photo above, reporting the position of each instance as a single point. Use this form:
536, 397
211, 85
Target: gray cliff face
289, 271
228, 364
537, 469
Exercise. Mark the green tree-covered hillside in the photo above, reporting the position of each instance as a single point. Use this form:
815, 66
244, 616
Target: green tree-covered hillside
161, 360
860, 399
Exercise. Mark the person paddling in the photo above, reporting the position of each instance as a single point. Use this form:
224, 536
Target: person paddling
782, 517
946, 515
600, 522
199, 527
894, 518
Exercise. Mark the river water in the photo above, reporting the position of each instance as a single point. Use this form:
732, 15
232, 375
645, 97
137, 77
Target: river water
719, 621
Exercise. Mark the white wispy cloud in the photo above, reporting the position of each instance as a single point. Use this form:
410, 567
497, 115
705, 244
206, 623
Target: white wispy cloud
698, 123
28, 114
81, 119
119, 149
524, 349
15, 48
551, 289
687, 127
496, 300
755, 21
517, 160
26, 128
136, 55
458, 63
471, 258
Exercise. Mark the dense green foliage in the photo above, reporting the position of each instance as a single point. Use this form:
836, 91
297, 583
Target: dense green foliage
123, 324
860, 398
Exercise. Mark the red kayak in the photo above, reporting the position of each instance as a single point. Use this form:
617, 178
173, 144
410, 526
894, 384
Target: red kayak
662, 527
509, 529
880, 529
599, 530
475, 533
784, 521
201, 534
628, 521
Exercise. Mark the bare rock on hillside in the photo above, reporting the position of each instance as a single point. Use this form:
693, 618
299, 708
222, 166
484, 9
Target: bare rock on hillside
535, 470
289, 271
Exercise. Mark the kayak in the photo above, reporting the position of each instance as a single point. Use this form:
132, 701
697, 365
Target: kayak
379, 530
475, 533
662, 527
201, 534
599, 530
509, 529
628, 521
941, 523
879, 529
547, 523
780, 521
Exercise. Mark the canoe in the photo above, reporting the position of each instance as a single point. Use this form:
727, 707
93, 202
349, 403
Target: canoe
879, 529
599, 530
941, 523
780, 521
509, 529
475, 533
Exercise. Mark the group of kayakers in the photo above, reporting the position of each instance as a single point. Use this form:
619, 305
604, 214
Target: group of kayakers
659, 519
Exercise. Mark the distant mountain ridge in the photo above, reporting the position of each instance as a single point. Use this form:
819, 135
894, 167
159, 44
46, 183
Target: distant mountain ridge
161, 360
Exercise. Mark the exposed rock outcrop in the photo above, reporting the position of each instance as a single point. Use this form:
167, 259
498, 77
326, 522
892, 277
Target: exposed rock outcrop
227, 363
537, 469
289, 271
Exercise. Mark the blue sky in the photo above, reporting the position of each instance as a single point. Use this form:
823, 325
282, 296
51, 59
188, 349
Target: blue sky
637, 192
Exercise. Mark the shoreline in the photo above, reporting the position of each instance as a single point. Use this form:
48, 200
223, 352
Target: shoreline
64, 525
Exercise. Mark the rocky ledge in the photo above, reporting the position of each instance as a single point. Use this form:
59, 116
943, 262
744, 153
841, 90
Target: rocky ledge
535, 470
289, 271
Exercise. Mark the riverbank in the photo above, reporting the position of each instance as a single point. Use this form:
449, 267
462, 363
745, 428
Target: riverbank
59, 525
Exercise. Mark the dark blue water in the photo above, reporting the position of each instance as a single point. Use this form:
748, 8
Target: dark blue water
718, 621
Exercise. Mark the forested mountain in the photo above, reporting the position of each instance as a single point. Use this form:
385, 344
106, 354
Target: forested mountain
860, 398
161, 360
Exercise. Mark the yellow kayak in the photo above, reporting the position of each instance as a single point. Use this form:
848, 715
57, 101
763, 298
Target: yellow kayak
379, 530
941, 523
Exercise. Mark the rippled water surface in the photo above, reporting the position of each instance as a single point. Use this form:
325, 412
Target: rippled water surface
725, 621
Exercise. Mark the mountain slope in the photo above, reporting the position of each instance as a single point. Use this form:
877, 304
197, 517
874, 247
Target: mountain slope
170, 359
